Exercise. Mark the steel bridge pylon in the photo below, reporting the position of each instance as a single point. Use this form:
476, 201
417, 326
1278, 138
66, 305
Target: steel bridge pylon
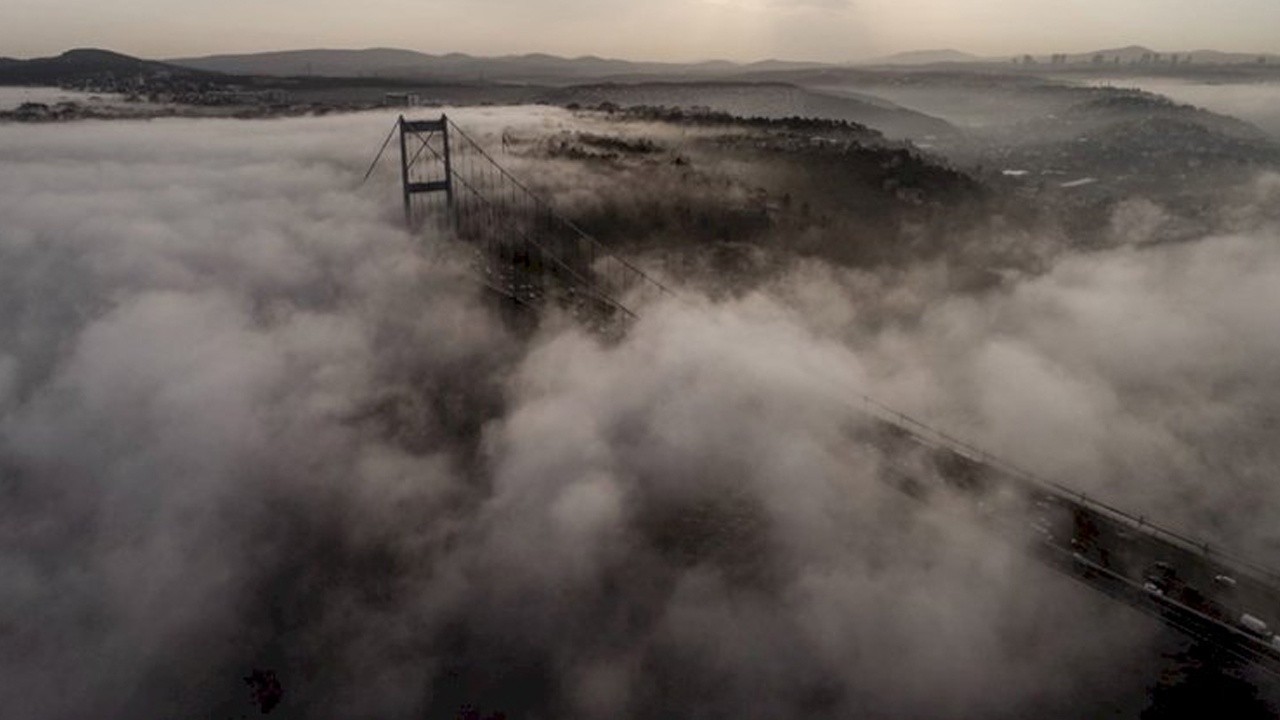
428, 170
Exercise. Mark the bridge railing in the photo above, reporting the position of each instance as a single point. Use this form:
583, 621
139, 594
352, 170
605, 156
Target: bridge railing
936, 438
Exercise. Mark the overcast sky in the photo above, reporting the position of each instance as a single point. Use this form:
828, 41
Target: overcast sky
649, 29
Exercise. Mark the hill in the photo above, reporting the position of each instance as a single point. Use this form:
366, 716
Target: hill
87, 64
764, 100
396, 63
927, 57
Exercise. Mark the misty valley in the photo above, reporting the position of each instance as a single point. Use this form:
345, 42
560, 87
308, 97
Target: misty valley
376, 384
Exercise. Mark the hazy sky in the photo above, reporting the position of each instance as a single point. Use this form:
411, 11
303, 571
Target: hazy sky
653, 29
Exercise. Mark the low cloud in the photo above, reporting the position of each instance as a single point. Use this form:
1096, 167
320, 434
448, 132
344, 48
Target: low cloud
245, 421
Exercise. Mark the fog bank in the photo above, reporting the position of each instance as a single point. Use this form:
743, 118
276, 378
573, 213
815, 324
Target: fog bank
246, 422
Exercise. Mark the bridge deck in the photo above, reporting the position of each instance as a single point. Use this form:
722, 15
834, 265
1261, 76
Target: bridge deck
1208, 595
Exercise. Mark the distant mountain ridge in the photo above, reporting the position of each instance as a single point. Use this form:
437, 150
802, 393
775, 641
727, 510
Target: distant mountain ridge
84, 63
927, 57
398, 63
538, 69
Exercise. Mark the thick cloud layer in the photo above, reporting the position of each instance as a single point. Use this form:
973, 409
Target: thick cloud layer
1144, 374
248, 422
222, 366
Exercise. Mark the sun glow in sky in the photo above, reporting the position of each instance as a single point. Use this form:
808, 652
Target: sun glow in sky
832, 30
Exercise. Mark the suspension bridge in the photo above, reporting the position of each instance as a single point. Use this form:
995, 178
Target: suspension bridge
522, 248
528, 253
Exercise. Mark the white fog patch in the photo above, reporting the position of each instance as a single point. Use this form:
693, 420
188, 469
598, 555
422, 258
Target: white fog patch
1145, 375
795, 571
202, 321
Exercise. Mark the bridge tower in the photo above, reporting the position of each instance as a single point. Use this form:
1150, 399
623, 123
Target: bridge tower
522, 247
426, 168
